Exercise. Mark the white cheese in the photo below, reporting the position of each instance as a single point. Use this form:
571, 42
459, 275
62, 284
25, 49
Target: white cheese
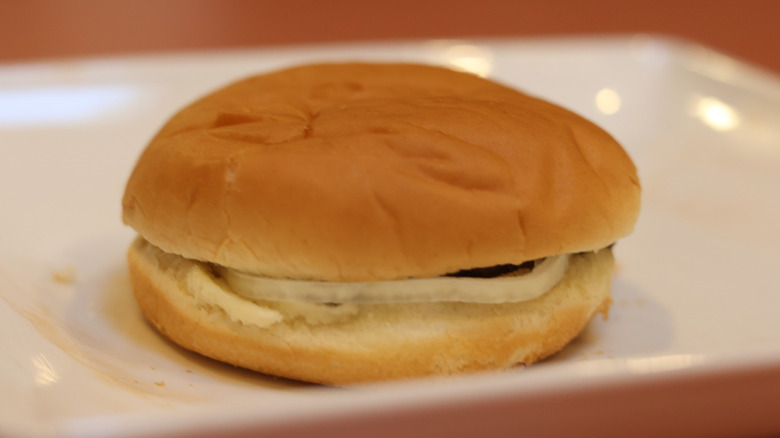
504, 289
206, 291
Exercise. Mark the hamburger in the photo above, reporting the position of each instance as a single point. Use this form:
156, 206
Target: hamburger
356, 222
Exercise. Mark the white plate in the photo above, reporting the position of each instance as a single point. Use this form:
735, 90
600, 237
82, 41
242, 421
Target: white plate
693, 339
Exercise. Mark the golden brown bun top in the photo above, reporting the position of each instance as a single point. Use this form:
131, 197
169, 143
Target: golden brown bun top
378, 171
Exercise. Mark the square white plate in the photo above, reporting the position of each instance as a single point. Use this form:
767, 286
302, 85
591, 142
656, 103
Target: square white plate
692, 342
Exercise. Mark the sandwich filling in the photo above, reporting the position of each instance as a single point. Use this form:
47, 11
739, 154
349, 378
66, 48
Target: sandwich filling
522, 283
262, 302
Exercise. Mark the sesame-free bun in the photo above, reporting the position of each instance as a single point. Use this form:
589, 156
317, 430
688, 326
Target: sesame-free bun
361, 172
369, 342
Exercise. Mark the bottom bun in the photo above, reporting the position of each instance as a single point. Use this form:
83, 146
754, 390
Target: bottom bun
351, 343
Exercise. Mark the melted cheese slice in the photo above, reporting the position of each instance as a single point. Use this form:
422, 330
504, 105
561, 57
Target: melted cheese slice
206, 291
542, 278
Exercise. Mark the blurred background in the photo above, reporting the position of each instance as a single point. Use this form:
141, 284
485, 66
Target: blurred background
46, 29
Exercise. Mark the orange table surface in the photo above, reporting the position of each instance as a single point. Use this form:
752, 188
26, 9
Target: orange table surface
45, 29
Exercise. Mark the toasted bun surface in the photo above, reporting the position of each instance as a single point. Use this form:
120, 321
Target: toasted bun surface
371, 342
360, 172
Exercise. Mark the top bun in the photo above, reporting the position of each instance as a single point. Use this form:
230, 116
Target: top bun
361, 172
